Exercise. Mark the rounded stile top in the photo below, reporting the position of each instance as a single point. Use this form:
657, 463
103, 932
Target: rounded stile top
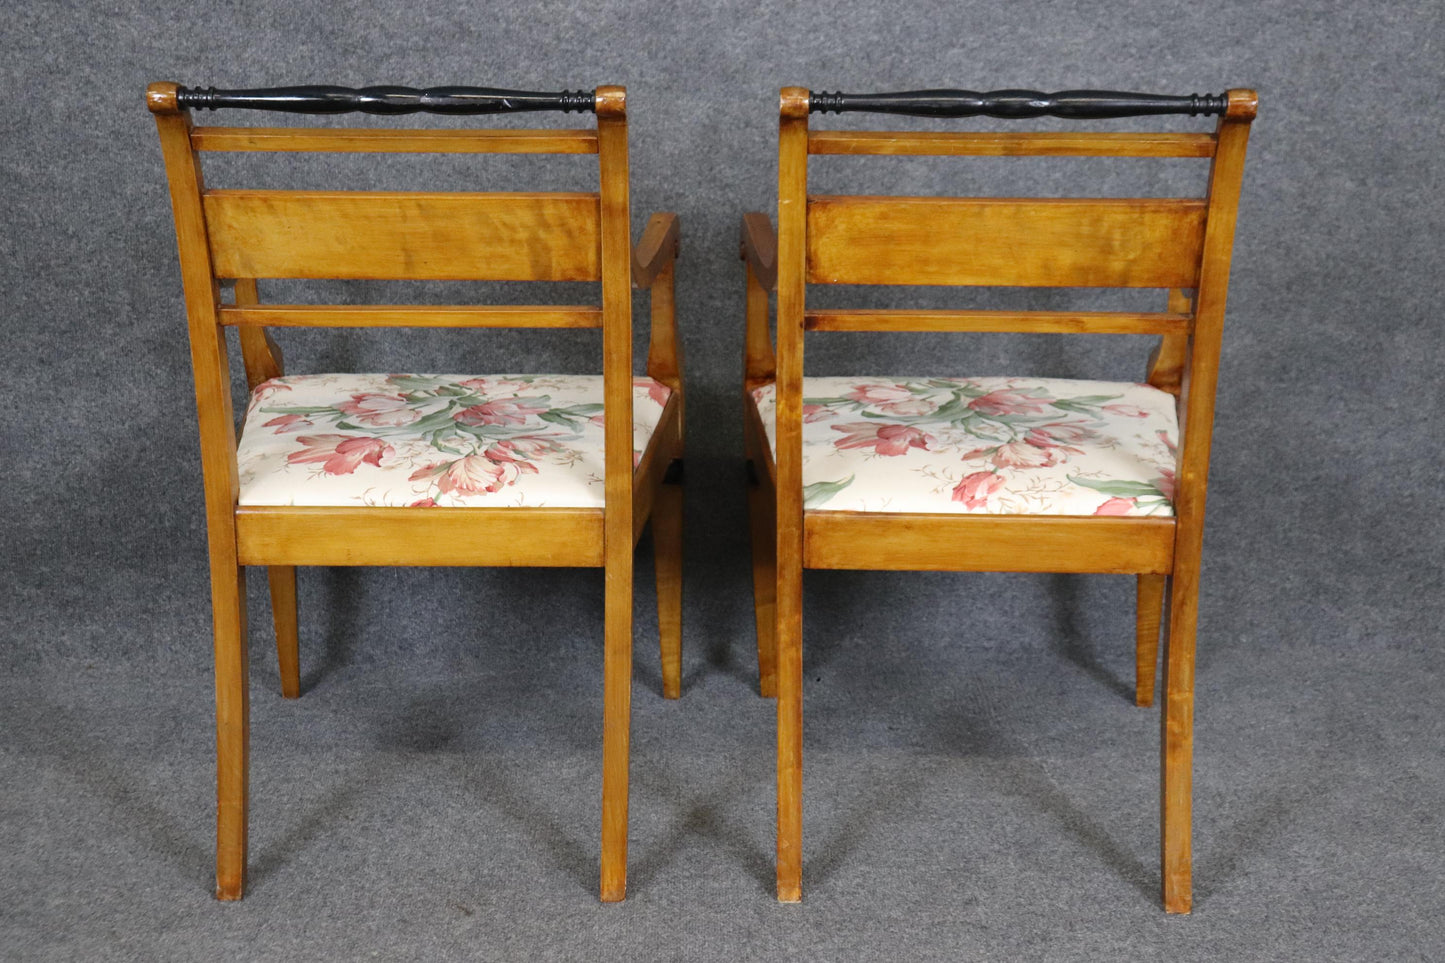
611, 100
1243, 104
161, 97
793, 102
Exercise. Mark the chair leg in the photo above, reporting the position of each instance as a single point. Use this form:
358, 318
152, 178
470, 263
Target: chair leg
283, 614
667, 560
1177, 745
789, 636
765, 583
616, 720
228, 606
1148, 609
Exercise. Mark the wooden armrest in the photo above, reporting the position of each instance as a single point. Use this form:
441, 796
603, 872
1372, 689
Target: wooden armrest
652, 269
760, 251
656, 250
760, 248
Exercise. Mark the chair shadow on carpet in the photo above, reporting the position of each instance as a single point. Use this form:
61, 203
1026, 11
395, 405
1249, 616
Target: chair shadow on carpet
1069, 638
48, 731
965, 731
707, 813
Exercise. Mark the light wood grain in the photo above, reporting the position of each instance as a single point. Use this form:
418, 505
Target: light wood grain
233, 726
221, 484
1171, 355
762, 451
1149, 606
759, 363
1010, 143
363, 141
656, 250
403, 235
760, 368
260, 353
667, 561
412, 316
282, 581
665, 364
788, 634
987, 543
425, 236
618, 536
262, 357
759, 248
664, 345
1052, 242
1037, 322
762, 524
1177, 712
288, 535
1168, 243
664, 448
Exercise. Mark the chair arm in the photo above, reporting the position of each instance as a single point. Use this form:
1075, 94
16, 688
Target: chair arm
760, 248
759, 252
657, 249
652, 262
259, 351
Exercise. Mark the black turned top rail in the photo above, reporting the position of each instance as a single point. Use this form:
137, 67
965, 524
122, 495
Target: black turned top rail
386, 100
1015, 104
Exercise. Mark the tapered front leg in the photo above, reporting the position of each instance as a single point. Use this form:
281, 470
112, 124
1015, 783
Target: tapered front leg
1177, 747
228, 605
667, 559
283, 613
1149, 607
764, 535
616, 722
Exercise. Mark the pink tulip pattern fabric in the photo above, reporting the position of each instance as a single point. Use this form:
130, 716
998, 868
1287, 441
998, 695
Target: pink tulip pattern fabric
997, 446
425, 440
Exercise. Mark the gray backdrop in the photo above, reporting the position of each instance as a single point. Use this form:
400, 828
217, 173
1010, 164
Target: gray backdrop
978, 784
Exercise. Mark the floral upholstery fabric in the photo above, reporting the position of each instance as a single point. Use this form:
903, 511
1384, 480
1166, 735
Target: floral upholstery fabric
998, 446
433, 440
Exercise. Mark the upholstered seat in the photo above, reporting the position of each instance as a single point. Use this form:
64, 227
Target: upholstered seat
999, 446
396, 440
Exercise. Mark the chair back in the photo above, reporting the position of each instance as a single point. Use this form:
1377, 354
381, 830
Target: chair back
1175, 244
243, 235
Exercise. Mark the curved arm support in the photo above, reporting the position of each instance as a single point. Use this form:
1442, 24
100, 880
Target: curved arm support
760, 248
657, 249
759, 251
652, 268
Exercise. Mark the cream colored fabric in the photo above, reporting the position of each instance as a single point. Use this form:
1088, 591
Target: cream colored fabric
433, 440
999, 446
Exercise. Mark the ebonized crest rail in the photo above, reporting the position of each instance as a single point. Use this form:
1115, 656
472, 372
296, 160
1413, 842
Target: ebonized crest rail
1015, 104
386, 100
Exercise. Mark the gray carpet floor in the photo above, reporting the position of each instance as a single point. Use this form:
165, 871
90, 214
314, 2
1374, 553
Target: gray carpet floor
978, 784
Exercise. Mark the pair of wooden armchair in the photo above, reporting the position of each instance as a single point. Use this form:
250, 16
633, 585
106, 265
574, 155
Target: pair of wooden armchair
927, 472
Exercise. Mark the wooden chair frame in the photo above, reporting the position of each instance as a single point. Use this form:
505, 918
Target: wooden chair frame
857, 240
238, 235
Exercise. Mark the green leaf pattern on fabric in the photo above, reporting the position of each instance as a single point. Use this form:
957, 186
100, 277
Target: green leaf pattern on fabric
432, 440
989, 445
